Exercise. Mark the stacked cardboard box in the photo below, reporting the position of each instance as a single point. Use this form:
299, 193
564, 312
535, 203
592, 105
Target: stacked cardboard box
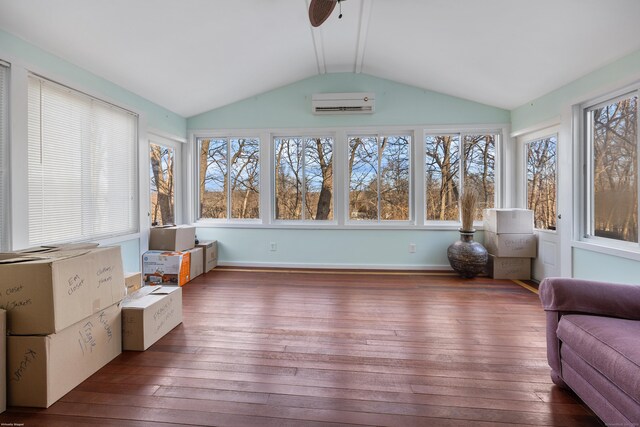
210, 254
63, 318
509, 239
147, 317
172, 258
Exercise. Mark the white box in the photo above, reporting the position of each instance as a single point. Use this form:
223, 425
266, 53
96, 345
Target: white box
42, 369
511, 245
505, 221
147, 319
509, 268
197, 262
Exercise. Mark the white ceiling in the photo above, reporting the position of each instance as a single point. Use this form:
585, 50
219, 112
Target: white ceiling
191, 56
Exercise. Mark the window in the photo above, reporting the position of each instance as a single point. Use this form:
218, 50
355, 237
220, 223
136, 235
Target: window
82, 166
303, 178
162, 176
4, 142
229, 178
541, 181
612, 138
379, 171
447, 172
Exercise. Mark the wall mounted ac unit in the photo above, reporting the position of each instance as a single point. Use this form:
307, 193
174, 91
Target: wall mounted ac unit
343, 103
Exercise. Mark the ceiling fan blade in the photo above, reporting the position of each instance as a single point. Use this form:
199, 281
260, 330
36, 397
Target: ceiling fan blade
319, 11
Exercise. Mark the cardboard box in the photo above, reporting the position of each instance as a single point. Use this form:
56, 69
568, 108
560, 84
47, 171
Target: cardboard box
42, 369
505, 221
3, 361
46, 293
166, 268
511, 245
133, 282
210, 248
147, 319
197, 262
175, 238
509, 268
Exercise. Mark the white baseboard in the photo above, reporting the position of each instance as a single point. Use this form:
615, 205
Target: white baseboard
418, 267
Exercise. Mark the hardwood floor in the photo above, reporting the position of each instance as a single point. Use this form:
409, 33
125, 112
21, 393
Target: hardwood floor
305, 348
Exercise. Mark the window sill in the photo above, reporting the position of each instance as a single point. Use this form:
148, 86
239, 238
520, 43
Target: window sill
629, 251
331, 225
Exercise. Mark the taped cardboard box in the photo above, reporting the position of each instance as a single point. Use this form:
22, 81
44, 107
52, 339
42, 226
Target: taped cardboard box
46, 293
196, 258
147, 319
172, 238
166, 268
511, 245
42, 369
509, 268
133, 282
210, 248
508, 221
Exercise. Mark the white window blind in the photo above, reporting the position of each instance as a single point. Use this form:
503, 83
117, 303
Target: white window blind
82, 166
4, 142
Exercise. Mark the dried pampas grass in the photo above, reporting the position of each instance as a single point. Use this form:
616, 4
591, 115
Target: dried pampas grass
468, 202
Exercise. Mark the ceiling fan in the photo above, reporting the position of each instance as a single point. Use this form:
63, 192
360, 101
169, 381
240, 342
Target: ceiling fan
319, 10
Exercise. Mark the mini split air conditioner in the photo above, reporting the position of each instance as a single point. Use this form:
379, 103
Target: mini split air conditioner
343, 103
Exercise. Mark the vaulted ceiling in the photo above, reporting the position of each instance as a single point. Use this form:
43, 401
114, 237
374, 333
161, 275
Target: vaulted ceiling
191, 56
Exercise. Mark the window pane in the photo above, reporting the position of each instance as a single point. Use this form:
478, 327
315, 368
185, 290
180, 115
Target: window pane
479, 169
442, 167
541, 182
615, 175
245, 178
82, 166
4, 170
162, 185
213, 178
394, 178
288, 178
319, 178
363, 178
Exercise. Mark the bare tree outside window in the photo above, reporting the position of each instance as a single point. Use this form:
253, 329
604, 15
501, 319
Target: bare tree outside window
229, 178
303, 178
479, 169
379, 170
541, 182
442, 177
162, 185
615, 176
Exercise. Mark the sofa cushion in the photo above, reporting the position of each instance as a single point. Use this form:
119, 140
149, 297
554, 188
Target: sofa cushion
610, 345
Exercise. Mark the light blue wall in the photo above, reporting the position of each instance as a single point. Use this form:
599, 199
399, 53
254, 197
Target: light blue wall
551, 105
157, 117
130, 251
597, 266
290, 107
396, 104
332, 248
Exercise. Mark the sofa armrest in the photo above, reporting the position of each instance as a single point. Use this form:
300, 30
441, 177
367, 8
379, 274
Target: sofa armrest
590, 297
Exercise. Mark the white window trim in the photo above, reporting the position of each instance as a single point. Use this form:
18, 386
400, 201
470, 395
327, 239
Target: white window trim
582, 177
167, 140
524, 182
417, 199
18, 181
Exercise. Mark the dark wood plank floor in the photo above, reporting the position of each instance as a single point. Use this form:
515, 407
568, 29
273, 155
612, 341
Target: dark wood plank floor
304, 348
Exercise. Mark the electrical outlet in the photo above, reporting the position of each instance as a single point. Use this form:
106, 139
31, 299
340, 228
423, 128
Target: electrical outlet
412, 248
273, 246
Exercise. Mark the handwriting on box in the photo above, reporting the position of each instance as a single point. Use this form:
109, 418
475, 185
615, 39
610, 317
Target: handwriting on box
14, 292
104, 275
163, 313
28, 358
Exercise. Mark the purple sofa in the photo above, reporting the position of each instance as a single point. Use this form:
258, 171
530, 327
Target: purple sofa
593, 344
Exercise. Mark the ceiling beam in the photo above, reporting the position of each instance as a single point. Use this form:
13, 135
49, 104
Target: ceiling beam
363, 30
318, 46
